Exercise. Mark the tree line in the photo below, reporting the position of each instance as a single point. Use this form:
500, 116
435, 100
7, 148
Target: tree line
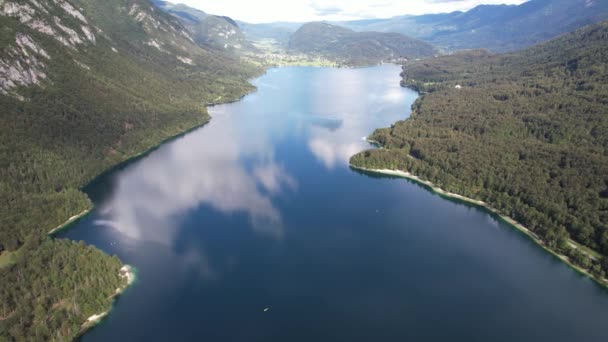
526, 132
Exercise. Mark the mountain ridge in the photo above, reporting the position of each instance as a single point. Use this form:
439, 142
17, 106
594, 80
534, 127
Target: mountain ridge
218, 32
500, 28
356, 48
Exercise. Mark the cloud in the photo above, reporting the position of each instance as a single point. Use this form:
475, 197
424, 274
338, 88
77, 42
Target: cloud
442, 1
322, 9
345, 105
149, 196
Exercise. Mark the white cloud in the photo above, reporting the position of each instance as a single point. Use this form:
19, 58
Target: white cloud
149, 196
309, 10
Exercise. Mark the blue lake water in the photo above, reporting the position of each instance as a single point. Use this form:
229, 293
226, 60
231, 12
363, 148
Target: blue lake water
254, 228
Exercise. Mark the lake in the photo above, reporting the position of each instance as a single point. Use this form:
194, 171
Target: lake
254, 228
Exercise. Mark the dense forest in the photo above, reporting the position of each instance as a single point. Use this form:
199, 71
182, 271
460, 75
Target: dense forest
53, 288
526, 132
85, 85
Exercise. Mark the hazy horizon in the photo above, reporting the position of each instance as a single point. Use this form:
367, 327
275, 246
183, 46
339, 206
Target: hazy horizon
332, 10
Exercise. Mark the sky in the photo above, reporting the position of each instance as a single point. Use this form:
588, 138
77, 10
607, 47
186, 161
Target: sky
260, 11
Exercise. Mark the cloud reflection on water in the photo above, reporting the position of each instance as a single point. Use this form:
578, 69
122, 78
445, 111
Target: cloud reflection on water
231, 164
204, 168
358, 102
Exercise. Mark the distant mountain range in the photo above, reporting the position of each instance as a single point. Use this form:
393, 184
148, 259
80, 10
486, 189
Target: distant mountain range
498, 28
217, 32
279, 32
356, 48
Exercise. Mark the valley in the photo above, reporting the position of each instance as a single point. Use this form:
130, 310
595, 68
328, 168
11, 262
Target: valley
509, 114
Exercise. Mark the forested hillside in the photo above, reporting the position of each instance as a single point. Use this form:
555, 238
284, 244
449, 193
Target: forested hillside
85, 85
356, 48
56, 286
525, 132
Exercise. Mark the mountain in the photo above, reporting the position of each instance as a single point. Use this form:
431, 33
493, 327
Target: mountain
212, 31
499, 28
525, 132
221, 32
277, 32
93, 84
192, 15
356, 48
84, 85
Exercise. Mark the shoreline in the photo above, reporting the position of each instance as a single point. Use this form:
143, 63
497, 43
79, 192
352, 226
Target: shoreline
127, 273
69, 221
146, 151
510, 221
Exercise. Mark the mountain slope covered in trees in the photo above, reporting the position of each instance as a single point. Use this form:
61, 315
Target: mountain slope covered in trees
356, 48
84, 85
525, 132
499, 28
211, 31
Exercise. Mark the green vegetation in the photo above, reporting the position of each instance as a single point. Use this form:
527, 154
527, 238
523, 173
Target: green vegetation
54, 287
80, 122
100, 102
7, 258
526, 133
352, 48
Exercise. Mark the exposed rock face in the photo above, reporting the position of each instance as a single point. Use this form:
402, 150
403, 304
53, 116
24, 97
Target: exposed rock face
36, 15
185, 60
23, 65
218, 32
151, 23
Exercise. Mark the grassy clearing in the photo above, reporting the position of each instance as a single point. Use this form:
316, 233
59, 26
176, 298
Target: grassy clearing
7, 259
